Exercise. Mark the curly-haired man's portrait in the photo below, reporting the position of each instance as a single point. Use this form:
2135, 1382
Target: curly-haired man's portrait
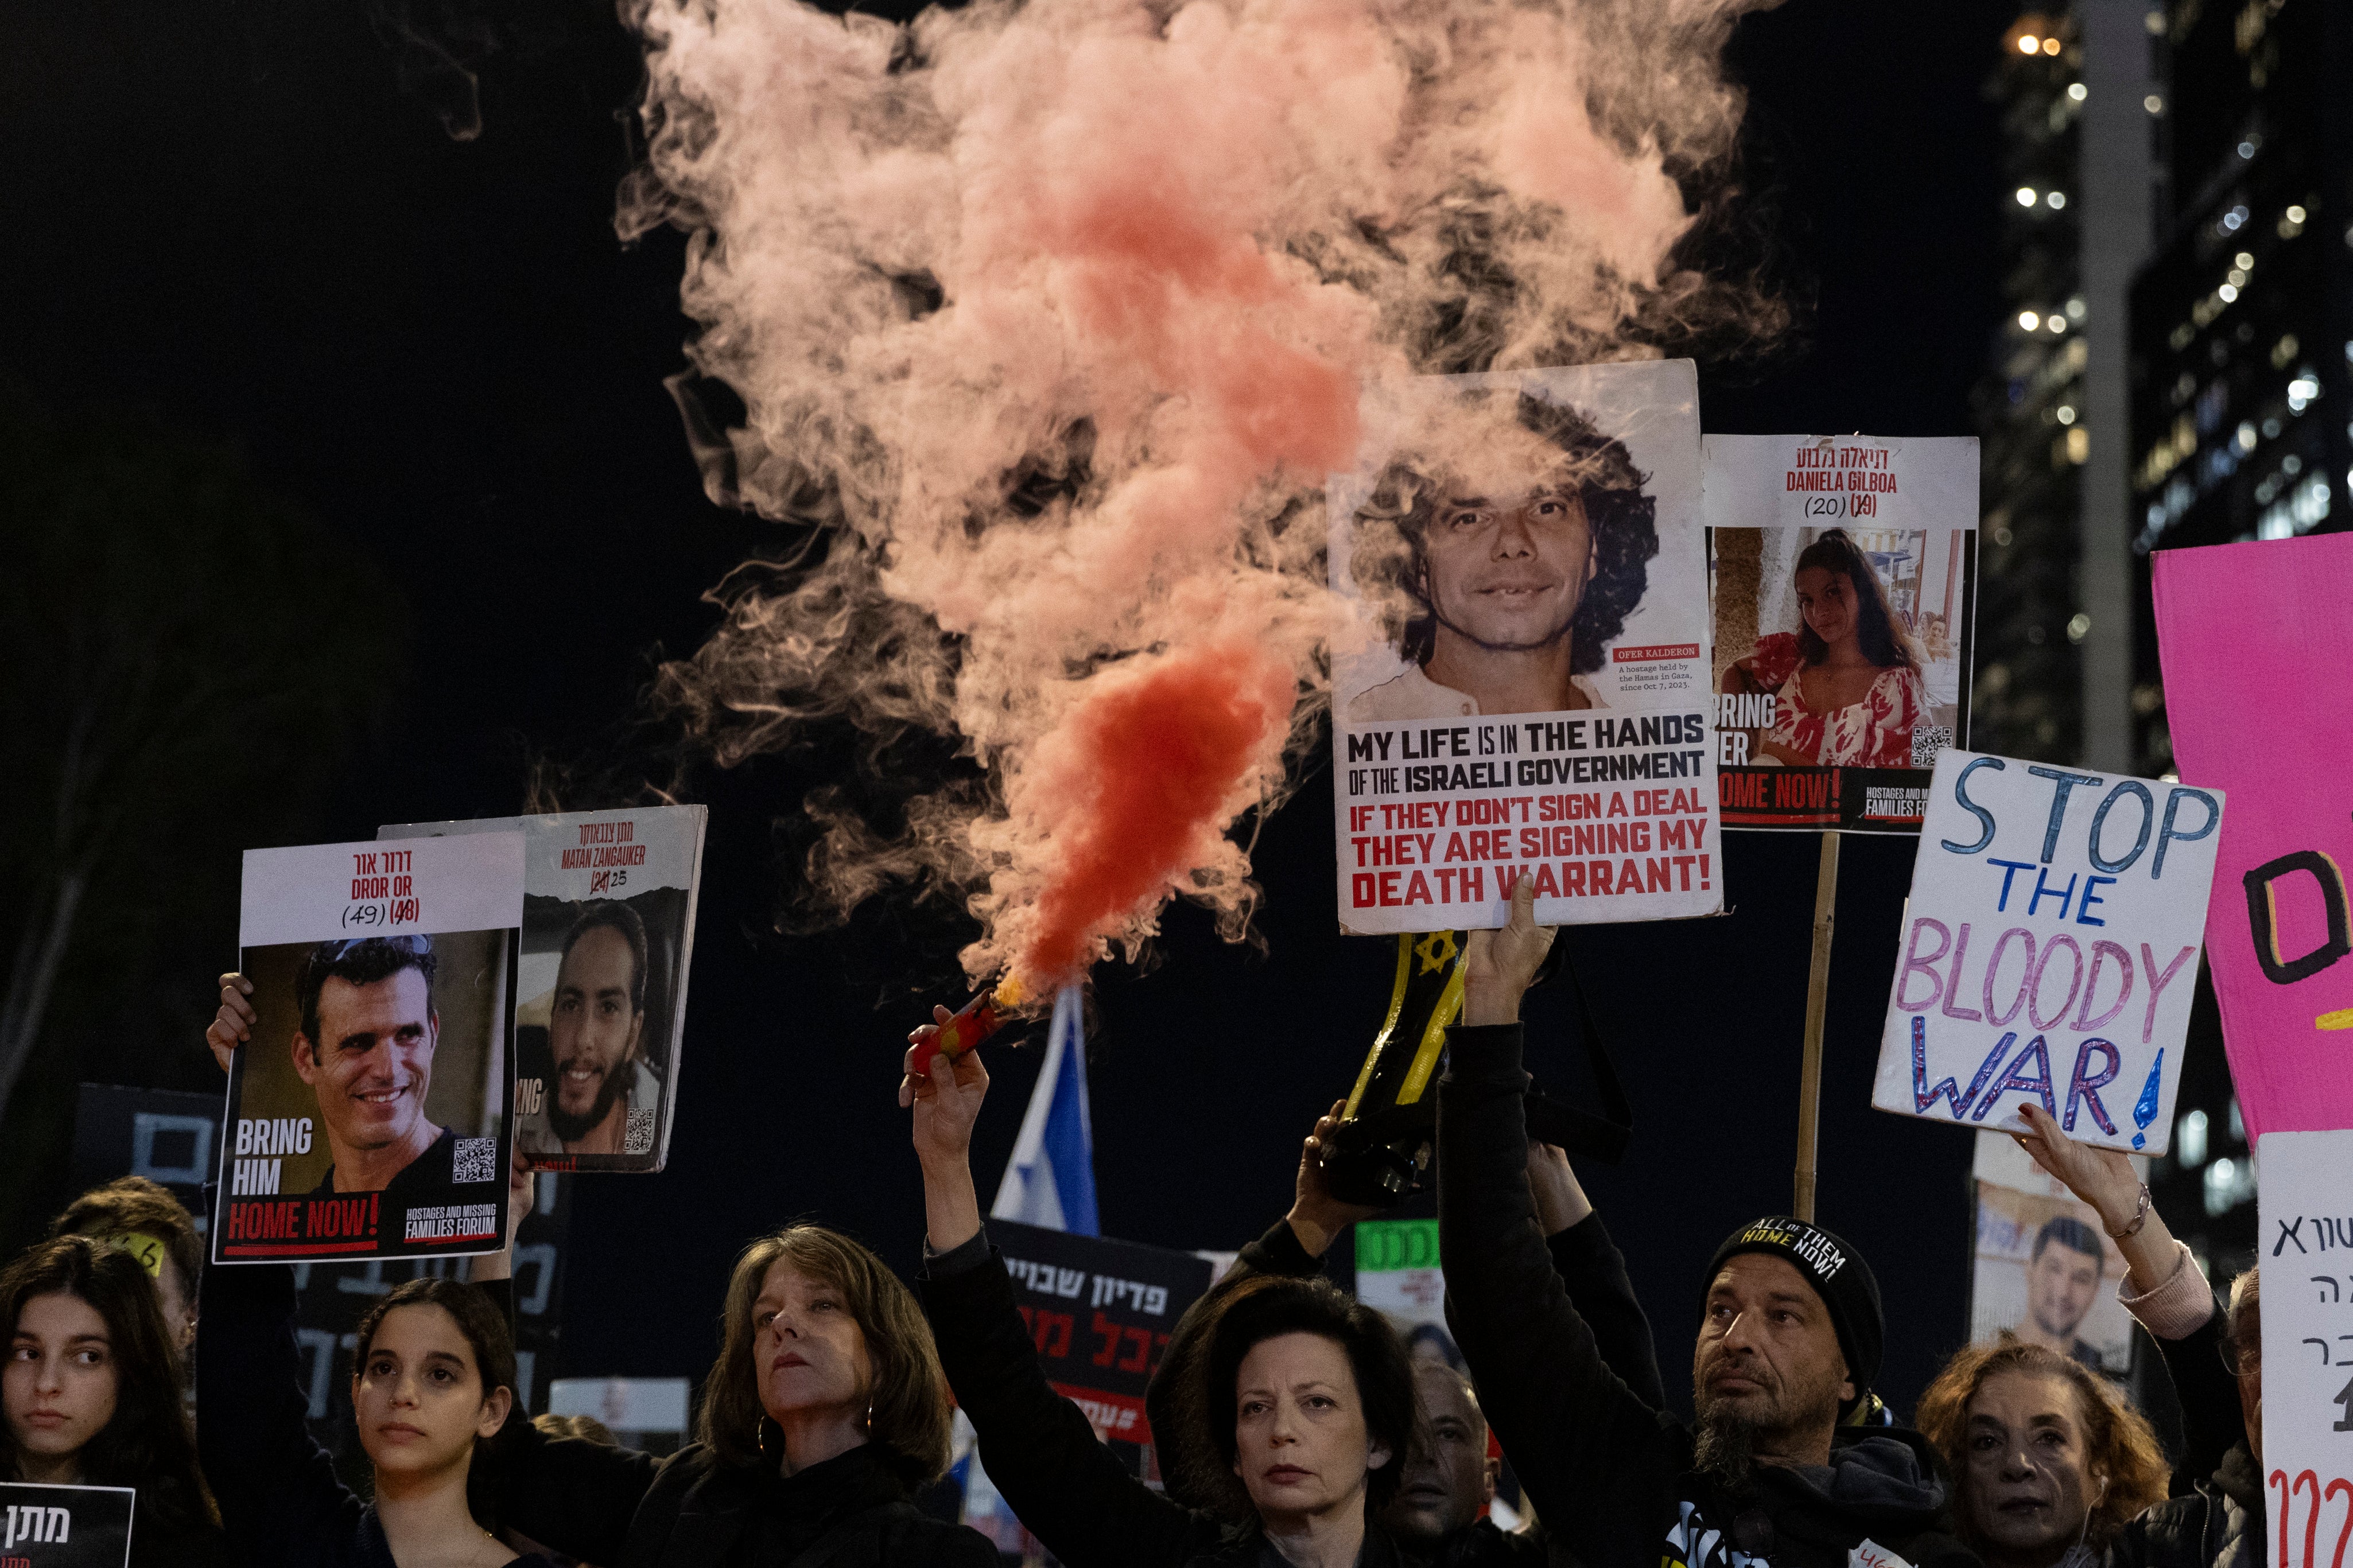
1506, 565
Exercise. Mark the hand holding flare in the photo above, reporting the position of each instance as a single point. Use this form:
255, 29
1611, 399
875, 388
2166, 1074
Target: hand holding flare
952, 1035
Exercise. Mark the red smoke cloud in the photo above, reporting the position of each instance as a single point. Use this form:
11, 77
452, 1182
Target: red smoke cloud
1056, 314
1146, 775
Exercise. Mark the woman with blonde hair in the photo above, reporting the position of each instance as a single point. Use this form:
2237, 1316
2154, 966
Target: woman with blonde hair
824, 1412
2049, 1463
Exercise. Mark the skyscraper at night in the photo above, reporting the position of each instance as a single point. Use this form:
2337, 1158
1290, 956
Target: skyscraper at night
2243, 320
2241, 327
2054, 624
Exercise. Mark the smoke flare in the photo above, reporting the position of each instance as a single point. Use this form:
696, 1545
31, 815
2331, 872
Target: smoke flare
1054, 316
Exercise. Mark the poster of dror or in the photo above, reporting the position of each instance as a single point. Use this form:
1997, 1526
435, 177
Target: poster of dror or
1522, 688
368, 1115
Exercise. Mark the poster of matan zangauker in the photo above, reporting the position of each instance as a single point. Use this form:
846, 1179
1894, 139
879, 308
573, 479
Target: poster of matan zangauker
1525, 685
600, 1011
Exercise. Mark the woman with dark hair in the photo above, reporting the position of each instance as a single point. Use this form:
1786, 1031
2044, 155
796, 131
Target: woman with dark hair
824, 1410
822, 1416
1848, 679
91, 1394
433, 1377
1306, 1396
1506, 569
2046, 1457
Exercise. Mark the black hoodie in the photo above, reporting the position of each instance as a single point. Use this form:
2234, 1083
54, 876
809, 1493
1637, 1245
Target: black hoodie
1613, 1479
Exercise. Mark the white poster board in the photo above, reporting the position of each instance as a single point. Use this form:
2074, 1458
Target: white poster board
369, 1115
2049, 949
608, 945
1524, 686
1844, 578
2305, 1247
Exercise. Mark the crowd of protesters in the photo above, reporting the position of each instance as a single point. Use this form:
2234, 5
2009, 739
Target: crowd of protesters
1294, 1430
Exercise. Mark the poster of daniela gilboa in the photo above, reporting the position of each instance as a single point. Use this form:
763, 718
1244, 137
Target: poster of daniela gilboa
1524, 686
1844, 570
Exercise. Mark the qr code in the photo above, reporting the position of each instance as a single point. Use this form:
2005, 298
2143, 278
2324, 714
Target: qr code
639, 1137
1927, 740
477, 1160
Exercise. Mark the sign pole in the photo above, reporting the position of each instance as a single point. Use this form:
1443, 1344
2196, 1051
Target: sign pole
1818, 997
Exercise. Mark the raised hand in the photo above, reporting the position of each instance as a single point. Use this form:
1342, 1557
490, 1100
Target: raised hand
1499, 965
1316, 1216
1559, 1198
945, 1092
2103, 1178
232, 1025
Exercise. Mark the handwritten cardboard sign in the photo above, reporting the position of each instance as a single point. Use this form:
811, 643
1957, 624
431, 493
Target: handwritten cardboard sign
2253, 640
2049, 948
2305, 1248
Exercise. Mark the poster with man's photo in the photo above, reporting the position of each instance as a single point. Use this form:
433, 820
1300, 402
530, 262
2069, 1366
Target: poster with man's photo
368, 1115
600, 1014
1524, 688
1844, 575
2041, 1269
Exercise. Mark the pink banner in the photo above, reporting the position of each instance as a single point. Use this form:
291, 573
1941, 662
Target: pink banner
2253, 639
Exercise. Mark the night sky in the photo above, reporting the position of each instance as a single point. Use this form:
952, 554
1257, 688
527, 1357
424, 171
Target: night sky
237, 219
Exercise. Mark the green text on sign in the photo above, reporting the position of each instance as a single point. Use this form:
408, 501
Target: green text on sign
1383, 1245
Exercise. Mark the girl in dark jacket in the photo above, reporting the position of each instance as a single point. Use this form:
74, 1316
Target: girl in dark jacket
825, 1411
1306, 1396
92, 1395
433, 1377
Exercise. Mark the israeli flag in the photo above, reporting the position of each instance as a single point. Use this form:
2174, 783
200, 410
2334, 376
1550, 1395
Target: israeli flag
1050, 1180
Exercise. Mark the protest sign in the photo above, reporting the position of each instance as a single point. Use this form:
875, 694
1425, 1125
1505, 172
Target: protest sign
651, 1414
1399, 1277
1522, 685
65, 1526
600, 1014
367, 1116
2044, 1268
1100, 1312
2043, 1271
2304, 1245
161, 1134
2049, 949
1843, 576
2251, 640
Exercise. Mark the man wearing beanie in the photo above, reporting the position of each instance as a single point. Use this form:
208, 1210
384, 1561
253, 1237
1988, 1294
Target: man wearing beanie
1790, 1340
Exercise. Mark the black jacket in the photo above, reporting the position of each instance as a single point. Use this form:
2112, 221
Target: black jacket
1041, 1453
1611, 1476
1589, 1265
280, 1500
621, 1508
2220, 1525
2217, 1518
